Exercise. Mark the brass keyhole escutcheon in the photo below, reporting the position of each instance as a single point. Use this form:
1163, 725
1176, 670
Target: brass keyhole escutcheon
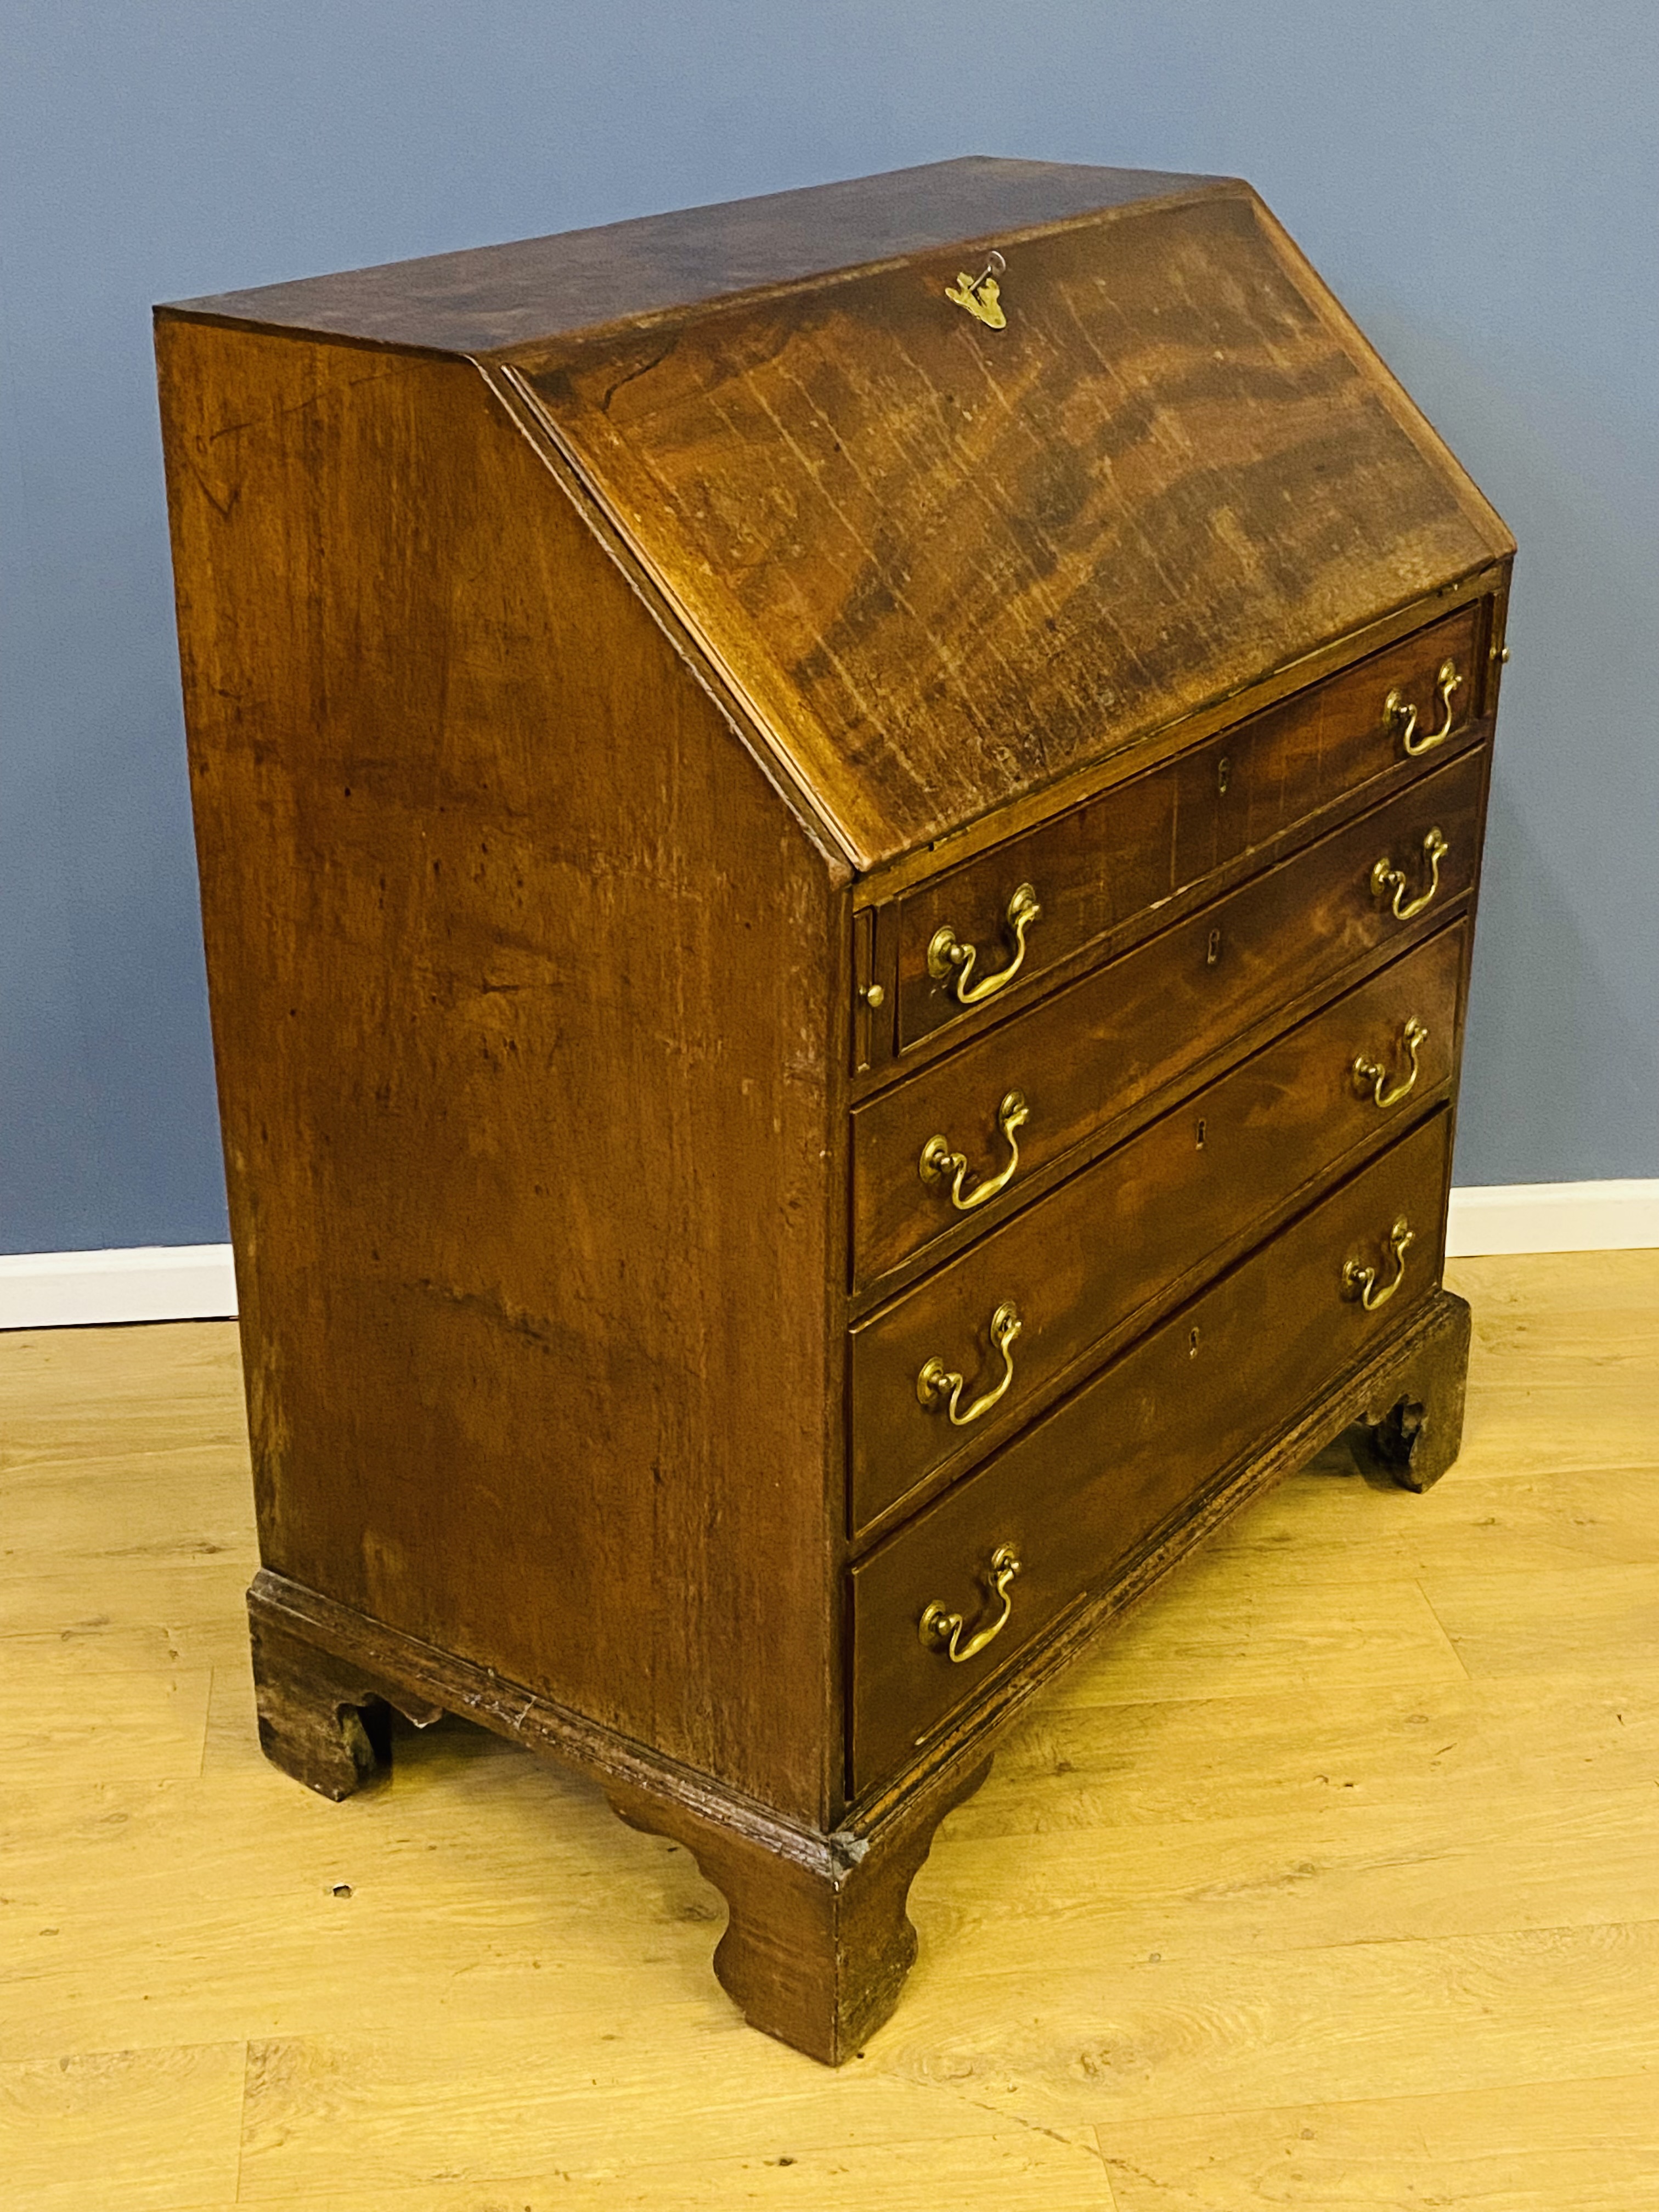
981, 295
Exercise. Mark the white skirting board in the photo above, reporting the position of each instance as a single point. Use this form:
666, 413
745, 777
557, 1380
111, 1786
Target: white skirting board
195, 1282
149, 1282
1552, 1216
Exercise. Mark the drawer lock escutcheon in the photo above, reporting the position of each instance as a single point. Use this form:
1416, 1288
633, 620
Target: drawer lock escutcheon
1400, 713
1392, 883
937, 1385
1359, 1281
941, 1630
940, 1163
951, 962
1370, 1075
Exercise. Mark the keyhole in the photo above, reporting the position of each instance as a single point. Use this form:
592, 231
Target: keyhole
1192, 1343
1202, 1126
1224, 774
1214, 952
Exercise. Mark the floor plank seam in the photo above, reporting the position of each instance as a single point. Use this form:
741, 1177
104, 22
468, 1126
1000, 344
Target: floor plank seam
1354, 2036
1451, 1643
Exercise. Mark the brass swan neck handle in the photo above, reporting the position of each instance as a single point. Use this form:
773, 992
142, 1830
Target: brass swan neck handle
1392, 883
1371, 1075
941, 1631
1400, 713
937, 1385
951, 962
940, 1163
1359, 1281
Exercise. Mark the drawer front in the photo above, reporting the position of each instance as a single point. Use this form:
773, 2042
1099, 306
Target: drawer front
1094, 869
1077, 1495
1078, 1060
1254, 781
1079, 1264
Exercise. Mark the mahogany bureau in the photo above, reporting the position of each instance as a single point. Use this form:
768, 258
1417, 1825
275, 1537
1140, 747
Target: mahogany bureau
838, 842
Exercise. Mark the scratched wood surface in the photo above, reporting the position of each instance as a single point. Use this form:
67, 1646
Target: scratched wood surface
941, 566
1088, 1057
1135, 1231
488, 298
1331, 1882
1079, 1491
951, 564
527, 1003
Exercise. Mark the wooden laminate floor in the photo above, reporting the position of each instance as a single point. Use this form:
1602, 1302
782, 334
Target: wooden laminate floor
1332, 1881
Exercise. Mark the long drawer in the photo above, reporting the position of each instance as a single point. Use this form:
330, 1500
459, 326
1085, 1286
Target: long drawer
1078, 1060
1092, 869
1077, 1266
1059, 1515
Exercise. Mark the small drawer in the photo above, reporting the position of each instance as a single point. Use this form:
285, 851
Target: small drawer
999, 921
1254, 781
1077, 1266
924, 1152
1061, 1513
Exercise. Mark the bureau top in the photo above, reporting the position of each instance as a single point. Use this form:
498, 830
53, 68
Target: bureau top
489, 298
941, 541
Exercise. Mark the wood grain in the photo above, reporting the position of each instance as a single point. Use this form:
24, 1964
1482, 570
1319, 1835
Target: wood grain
1133, 1230
421, 2113
488, 298
1109, 868
513, 2008
1028, 2172
1575, 2146
156, 2129
1199, 2028
1085, 1058
1114, 1469
153, 1725
815, 1955
1507, 1623
1175, 403
949, 565
1191, 731
512, 1098
564, 628
1386, 1716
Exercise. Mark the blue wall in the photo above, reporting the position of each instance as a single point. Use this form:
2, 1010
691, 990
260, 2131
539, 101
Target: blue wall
1478, 182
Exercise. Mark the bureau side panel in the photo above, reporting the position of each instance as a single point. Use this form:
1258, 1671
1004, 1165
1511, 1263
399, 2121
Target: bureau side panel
521, 978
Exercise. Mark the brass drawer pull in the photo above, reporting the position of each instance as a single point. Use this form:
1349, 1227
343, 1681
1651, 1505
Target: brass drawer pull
939, 1162
1371, 1075
949, 960
1360, 1282
1400, 714
1386, 878
942, 1632
936, 1380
